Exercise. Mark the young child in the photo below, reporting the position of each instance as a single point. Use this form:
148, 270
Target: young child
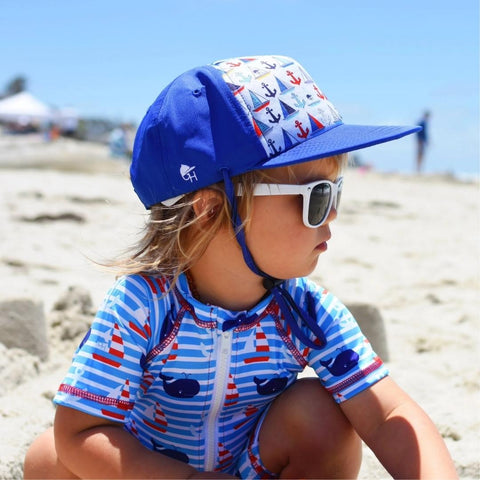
190, 367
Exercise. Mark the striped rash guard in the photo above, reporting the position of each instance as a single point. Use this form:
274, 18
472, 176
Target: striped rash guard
191, 380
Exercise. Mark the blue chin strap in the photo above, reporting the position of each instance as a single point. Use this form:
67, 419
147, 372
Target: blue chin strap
274, 285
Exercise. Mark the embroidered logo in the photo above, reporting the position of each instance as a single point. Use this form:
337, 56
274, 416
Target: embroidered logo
188, 173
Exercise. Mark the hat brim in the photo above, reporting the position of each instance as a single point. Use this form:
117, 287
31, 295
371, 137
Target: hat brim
340, 139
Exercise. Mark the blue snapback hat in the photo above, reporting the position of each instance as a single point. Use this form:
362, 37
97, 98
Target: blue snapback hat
235, 116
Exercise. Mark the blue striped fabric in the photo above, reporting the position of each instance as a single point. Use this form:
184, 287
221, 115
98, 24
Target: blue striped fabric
186, 382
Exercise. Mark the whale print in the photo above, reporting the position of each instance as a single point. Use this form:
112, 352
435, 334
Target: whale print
268, 387
170, 452
342, 363
180, 388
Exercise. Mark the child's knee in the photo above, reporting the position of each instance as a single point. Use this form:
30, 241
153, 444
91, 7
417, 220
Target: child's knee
41, 459
310, 409
306, 426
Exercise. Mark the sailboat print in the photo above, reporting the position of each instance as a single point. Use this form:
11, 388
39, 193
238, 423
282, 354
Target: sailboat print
288, 139
225, 457
122, 395
147, 380
315, 124
231, 397
260, 347
159, 422
260, 127
287, 110
114, 348
259, 73
284, 88
258, 101
306, 77
248, 412
235, 88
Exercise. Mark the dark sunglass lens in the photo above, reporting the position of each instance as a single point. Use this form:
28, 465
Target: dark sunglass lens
319, 200
339, 194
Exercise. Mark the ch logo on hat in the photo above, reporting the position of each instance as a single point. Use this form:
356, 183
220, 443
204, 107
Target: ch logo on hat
188, 173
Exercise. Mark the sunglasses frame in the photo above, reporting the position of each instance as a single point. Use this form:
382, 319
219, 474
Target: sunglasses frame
267, 189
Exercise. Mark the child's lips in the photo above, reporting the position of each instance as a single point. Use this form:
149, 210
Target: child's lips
322, 247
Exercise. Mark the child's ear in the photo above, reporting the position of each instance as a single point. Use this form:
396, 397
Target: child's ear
207, 203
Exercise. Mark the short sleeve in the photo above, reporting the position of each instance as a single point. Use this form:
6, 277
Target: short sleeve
346, 364
106, 370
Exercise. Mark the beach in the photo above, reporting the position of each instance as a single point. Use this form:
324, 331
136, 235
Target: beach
406, 246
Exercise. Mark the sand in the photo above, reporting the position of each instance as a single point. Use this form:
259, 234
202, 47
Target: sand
407, 245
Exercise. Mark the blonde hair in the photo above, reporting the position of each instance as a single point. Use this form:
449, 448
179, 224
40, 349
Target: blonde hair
174, 237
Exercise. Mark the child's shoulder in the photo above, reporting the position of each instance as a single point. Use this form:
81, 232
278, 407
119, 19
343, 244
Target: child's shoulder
306, 289
306, 284
141, 285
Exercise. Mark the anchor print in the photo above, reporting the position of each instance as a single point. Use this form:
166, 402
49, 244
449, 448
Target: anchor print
269, 65
294, 80
270, 93
274, 118
319, 93
275, 151
303, 133
298, 103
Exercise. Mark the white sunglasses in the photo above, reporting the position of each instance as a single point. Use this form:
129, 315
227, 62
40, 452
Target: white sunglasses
318, 197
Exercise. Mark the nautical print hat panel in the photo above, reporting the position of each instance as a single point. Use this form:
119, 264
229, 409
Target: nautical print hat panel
235, 116
282, 101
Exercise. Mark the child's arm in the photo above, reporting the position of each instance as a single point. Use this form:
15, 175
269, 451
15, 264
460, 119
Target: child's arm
93, 447
399, 432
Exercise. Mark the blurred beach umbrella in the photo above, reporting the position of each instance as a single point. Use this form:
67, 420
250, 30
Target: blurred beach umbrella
66, 118
23, 108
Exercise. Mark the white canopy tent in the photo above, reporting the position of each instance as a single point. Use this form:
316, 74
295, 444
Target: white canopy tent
24, 108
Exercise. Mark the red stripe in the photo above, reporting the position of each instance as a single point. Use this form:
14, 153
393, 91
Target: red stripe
154, 426
150, 284
117, 416
116, 337
114, 351
257, 359
136, 329
161, 282
106, 360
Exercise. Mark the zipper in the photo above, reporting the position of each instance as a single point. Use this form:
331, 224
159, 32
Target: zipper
224, 351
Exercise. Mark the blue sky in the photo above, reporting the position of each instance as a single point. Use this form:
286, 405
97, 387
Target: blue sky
379, 62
